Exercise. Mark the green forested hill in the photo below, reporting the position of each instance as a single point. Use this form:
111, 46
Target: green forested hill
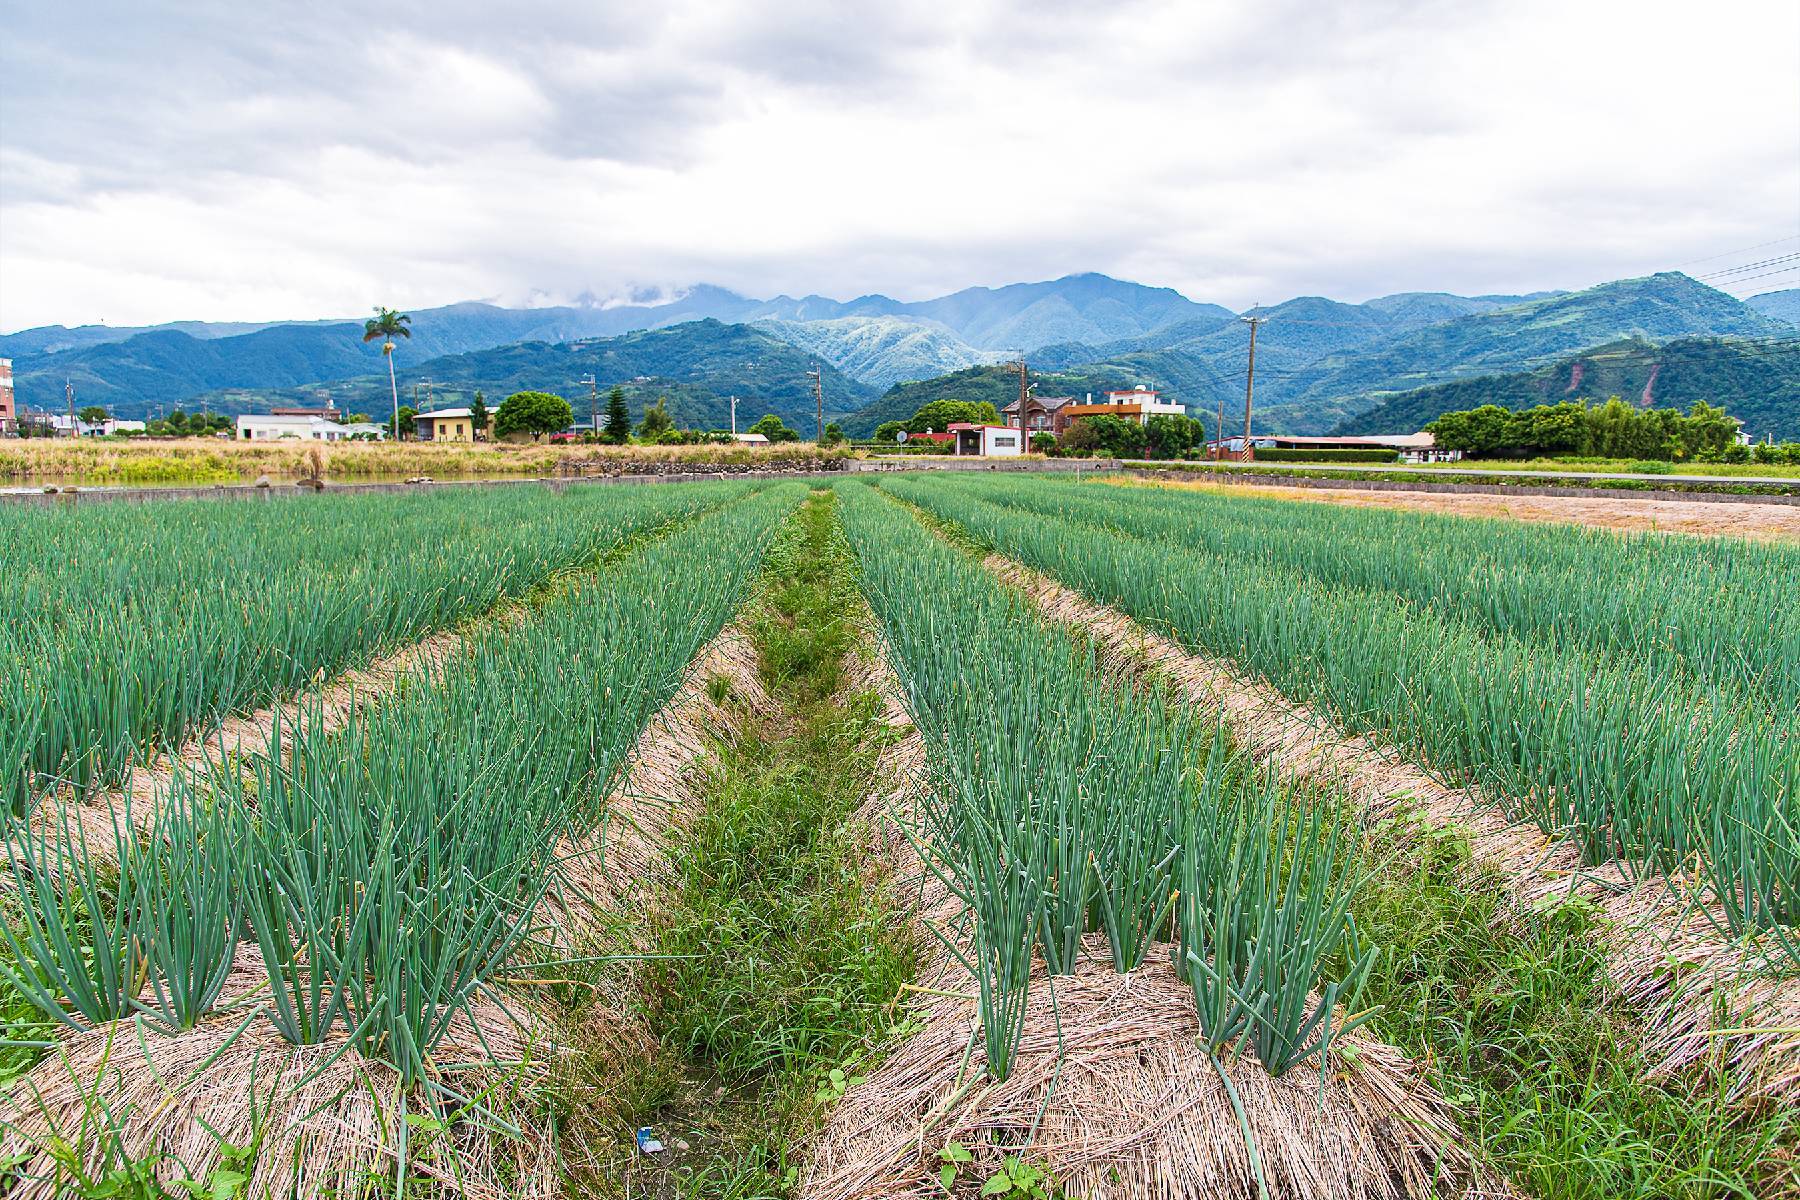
697, 365
1756, 381
1340, 386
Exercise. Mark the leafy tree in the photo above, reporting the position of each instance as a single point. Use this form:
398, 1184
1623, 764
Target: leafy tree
478, 414
657, 422
886, 431
939, 415
388, 325
359, 419
618, 417
1104, 434
834, 433
1551, 428
1170, 435
404, 418
772, 427
536, 413
93, 414
1043, 443
1479, 431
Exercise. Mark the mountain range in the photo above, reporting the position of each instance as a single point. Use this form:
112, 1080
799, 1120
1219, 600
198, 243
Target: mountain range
1321, 364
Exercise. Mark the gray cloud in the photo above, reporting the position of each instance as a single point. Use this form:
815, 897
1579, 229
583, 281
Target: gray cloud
201, 160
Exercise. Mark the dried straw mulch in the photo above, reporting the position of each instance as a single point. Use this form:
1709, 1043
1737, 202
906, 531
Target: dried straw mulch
1669, 953
1111, 1092
326, 1127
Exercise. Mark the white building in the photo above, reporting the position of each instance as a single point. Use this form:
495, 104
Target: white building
989, 441
62, 423
1148, 402
270, 427
751, 439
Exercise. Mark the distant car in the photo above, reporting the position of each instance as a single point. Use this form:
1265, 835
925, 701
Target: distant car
564, 437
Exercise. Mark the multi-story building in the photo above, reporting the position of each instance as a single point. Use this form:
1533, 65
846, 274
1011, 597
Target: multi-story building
9, 411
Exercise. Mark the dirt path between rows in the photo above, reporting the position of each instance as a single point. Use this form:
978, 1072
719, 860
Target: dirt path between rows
1764, 522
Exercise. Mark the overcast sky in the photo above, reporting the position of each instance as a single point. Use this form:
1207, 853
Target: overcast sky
163, 161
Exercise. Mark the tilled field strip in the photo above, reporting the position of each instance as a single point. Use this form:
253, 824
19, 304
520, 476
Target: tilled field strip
1669, 953
1111, 1088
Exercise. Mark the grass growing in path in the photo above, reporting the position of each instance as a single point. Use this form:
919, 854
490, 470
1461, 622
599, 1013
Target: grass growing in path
1516, 1017
783, 958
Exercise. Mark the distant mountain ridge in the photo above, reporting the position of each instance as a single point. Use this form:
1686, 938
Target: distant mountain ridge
696, 365
1320, 362
1783, 305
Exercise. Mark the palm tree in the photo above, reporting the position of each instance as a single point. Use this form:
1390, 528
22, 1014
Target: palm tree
388, 325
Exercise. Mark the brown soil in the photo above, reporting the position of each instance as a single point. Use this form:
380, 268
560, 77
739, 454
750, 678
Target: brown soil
1772, 522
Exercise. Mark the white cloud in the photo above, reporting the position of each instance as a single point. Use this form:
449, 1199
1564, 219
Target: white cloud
161, 162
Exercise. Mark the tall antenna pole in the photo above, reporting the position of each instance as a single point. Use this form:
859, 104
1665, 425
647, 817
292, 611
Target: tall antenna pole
69, 391
818, 384
1250, 384
593, 400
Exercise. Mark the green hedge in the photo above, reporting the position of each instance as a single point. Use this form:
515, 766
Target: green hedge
1371, 455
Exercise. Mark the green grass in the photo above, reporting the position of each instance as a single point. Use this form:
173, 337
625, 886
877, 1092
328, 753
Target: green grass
784, 959
1516, 1017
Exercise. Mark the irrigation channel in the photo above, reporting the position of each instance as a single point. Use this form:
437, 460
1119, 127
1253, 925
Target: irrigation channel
911, 837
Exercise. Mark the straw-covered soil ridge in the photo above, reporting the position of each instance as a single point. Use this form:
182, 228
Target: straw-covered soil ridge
230, 1104
1111, 1091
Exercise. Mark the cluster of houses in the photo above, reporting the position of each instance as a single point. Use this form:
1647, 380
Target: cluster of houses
1055, 414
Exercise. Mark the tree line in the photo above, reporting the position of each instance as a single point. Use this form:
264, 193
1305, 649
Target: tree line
1615, 429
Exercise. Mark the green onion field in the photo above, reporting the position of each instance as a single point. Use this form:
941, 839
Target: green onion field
784, 839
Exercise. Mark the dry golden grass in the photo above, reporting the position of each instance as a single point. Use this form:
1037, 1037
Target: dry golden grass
212, 460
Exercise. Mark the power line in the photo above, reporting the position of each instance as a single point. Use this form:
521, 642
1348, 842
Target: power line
1767, 262
1740, 250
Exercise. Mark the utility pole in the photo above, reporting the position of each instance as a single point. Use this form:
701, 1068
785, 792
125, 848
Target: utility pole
1219, 431
69, 391
1024, 395
1249, 385
818, 386
734, 417
593, 400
